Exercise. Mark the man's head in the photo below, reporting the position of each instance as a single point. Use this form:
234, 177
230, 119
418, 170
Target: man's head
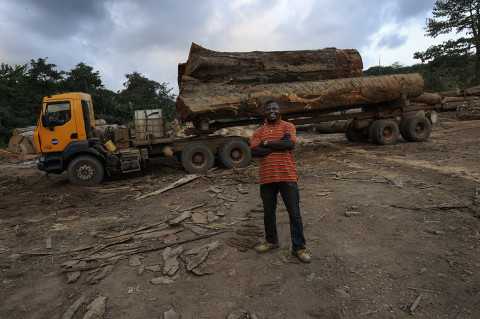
272, 111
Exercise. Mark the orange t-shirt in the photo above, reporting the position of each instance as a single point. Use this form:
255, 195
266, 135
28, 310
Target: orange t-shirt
278, 166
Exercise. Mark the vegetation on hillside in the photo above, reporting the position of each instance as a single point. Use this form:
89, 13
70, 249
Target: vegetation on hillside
22, 88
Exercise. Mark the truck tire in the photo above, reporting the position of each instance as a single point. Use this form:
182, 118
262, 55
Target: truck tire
417, 128
85, 171
403, 130
234, 154
197, 158
384, 132
355, 135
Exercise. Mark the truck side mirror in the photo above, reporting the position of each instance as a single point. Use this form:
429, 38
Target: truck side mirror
46, 122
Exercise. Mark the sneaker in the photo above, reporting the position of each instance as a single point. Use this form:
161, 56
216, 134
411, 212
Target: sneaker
302, 255
263, 248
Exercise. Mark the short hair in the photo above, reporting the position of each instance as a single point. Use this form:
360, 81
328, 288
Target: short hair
270, 102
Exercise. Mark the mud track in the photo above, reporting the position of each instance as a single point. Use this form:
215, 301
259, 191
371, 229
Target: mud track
414, 243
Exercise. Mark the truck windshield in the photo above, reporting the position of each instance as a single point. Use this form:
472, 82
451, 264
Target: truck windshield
58, 113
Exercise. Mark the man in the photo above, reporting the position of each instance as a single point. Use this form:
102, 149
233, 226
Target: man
274, 143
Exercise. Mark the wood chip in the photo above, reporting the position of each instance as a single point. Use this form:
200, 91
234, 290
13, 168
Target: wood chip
202, 270
415, 303
215, 189
170, 238
199, 218
242, 189
163, 280
183, 216
73, 276
351, 214
176, 184
196, 229
227, 197
170, 256
154, 268
193, 261
102, 274
96, 309
74, 307
134, 261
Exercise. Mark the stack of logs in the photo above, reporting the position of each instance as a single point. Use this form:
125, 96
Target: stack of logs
451, 100
226, 85
466, 102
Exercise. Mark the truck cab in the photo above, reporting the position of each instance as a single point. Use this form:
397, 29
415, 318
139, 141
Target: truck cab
64, 139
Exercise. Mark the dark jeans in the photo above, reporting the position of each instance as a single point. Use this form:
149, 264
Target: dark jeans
291, 198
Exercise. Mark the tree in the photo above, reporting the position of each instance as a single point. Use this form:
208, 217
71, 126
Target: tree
462, 16
141, 93
82, 79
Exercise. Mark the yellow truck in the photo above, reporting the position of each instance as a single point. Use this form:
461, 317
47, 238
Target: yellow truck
68, 141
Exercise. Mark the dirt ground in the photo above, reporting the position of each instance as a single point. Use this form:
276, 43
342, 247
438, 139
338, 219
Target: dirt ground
394, 232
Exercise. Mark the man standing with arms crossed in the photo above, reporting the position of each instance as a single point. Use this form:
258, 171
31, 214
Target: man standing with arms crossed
274, 143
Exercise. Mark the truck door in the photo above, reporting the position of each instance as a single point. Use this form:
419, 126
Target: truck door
62, 127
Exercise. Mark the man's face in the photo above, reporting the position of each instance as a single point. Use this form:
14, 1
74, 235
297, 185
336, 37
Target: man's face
272, 112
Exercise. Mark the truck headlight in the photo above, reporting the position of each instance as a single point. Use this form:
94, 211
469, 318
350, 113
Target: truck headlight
41, 158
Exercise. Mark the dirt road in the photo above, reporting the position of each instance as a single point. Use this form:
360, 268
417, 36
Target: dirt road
394, 232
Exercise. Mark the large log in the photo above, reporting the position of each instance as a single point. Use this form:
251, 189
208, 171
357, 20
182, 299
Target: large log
230, 101
260, 67
428, 98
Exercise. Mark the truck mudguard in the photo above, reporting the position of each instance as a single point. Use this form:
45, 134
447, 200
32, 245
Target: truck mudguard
79, 147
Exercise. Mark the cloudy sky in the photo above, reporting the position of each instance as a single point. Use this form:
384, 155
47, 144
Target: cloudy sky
117, 37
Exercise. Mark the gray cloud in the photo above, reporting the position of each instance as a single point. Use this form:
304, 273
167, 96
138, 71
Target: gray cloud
392, 41
152, 37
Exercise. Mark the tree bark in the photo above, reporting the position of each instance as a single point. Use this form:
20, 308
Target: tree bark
428, 98
260, 67
229, 101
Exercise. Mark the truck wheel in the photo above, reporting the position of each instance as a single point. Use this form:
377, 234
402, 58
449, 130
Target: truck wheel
355, 135
234, 154
197, 158
85, 171
417, 128
384, 132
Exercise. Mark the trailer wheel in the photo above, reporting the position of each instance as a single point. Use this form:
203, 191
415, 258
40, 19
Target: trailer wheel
234, 154
85, 171
384, 132
417, 128
197, 158
355, 135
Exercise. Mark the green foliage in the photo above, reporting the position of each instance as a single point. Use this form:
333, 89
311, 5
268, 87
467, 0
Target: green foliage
143, 93
441, 74
463, 17
22, 89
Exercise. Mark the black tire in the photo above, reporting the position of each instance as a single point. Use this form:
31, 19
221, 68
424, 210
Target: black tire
417, 128
403, 130
234, 154
384, 132
197, 158
85, 171
355, 135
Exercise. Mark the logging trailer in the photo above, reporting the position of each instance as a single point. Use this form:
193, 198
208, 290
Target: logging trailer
316, 86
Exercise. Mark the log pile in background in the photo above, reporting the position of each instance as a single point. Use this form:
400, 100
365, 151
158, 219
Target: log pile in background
466, 102
22, 141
